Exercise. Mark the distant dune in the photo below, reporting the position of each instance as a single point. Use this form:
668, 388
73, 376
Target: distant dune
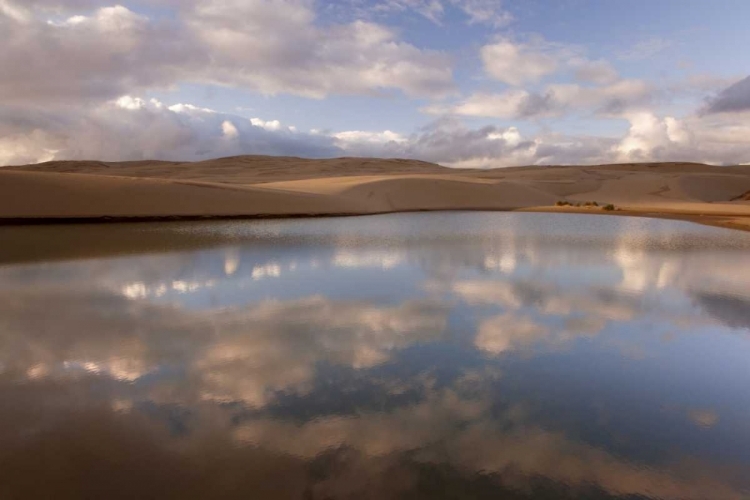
262, 186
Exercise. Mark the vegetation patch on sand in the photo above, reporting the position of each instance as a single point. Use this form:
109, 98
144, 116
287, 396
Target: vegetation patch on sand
586, 204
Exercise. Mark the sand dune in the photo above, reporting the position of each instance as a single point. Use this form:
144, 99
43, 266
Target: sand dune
249, 186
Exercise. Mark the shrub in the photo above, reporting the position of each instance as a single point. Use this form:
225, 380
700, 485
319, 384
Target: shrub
609, 207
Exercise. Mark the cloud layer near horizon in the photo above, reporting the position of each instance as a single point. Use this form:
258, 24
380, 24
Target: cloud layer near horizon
134, 129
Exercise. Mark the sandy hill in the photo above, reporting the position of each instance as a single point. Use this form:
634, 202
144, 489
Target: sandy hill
285, 186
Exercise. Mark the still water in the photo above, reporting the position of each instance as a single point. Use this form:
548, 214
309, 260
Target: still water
425, 356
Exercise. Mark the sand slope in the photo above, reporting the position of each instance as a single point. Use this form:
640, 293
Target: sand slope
281, 186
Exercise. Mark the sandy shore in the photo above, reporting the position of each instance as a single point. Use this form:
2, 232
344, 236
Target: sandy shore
251, 186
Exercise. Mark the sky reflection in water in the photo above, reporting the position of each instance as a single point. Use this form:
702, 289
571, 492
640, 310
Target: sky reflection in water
456, 355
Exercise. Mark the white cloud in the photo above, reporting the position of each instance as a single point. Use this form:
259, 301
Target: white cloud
268, 125
508, 332
358, 137
229, 130
708, 139
271, 46
15, 12
599, 71
554, 100
510, 104
131, 128
608, 99
519, 63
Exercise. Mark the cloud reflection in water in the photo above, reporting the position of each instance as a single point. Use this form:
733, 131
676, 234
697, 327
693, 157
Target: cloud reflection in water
399, 356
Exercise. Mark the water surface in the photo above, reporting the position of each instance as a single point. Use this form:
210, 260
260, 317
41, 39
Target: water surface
427, 356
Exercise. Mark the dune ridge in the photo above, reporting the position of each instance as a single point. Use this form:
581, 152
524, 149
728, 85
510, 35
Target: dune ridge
263, 186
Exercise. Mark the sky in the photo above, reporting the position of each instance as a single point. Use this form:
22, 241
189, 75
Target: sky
472, 83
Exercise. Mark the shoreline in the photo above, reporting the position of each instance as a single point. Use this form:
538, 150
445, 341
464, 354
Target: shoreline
724, 220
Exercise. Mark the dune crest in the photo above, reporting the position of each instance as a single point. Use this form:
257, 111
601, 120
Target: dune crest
263, 186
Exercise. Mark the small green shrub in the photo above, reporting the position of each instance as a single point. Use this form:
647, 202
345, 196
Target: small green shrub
609, 207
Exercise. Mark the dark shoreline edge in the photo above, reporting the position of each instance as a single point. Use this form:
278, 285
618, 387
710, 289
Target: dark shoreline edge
716, 220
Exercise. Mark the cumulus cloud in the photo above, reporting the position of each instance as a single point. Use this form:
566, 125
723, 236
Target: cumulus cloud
599, 71
506, 332
554, 100
130, 128
269, 46
89, 58
715, 140
449, 142
733, 99
518, 63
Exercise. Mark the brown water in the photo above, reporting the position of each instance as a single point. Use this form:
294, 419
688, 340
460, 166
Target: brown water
427, 356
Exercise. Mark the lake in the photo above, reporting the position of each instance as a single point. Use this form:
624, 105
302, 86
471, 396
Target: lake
421, 356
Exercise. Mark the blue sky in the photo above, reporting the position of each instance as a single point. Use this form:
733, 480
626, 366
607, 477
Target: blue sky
466, 83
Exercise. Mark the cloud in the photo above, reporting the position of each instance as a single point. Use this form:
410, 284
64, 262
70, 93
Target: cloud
454, 429
484, 12
599, 71
514, 103
645, 49
450, 143
733, 99
290, 339
276, 48
519, 63
507, 332
230, 131
130, 128
715, 140
362, 137
261, 349
554, 100
89, 58
282, 50
732, 311
703, 418
489, 12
